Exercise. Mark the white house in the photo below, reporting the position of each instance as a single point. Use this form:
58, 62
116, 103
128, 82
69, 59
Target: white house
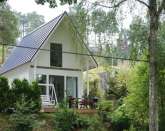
54, 55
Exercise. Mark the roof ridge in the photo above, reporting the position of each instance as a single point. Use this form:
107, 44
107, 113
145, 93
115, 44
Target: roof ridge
43, 25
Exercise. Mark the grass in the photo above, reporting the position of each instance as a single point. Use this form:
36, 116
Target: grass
4, 121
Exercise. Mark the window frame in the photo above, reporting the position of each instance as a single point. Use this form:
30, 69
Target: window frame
59, 62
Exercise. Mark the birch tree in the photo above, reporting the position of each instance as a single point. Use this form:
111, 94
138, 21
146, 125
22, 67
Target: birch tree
155, 8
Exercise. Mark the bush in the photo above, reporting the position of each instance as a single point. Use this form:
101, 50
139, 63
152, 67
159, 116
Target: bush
104, 107
69, 120
23, 119
95, 124
119, 119
22, 89
4, 94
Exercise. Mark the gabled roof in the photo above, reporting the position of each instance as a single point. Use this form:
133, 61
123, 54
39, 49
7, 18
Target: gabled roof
35, 39
30, 45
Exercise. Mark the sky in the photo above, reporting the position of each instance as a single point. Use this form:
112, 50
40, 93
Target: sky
27, 6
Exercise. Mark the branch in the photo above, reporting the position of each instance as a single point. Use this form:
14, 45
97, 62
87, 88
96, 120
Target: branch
142, 2
114, 6
161, 7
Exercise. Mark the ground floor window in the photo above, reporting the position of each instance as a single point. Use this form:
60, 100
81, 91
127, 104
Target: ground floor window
64, 86
42, 80
71, 86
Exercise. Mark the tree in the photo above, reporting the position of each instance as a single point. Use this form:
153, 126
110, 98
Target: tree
30, 21
155, 8
137, 35
8, 25
138, 78
136, 102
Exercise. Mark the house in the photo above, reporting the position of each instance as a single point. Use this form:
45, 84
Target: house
54, 55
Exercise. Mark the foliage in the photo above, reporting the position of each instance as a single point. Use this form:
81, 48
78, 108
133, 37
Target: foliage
117, 86
29, 91
30, 21
105, 105
53, 3
23, 118
80, 18
94, 89
119, 119
68, 120
95, 123
103, 22
5, 102
8, 25
136, 102
137, 99
114, 118
138, 35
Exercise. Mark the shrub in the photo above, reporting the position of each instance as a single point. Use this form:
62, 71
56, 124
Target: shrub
34, 94
64, 120
4, 94
104, 107
23, 119
119, 119
95, 124
68, 120
22, 89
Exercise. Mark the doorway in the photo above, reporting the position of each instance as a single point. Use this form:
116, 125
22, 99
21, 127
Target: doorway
58, 82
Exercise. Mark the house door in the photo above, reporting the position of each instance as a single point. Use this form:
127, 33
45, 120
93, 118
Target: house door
58, 82
71, 87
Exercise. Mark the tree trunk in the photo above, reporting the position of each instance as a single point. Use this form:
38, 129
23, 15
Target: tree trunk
153, 106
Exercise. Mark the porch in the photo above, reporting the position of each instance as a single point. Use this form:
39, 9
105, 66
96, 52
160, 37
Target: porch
49, 99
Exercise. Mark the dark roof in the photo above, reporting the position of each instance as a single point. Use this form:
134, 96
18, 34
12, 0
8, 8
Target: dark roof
35, 39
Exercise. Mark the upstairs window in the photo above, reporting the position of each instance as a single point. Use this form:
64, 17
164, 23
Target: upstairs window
56, 55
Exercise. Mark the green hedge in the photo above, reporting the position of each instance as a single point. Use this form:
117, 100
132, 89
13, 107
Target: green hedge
5, 100
28, 91
19, 89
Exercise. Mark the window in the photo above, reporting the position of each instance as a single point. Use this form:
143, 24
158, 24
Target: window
56, 55
41, 79
71, 86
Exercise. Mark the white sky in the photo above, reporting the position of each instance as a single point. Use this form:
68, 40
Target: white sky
26, 6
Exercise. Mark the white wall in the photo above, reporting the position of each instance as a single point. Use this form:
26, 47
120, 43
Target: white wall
64, 36
21, 73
